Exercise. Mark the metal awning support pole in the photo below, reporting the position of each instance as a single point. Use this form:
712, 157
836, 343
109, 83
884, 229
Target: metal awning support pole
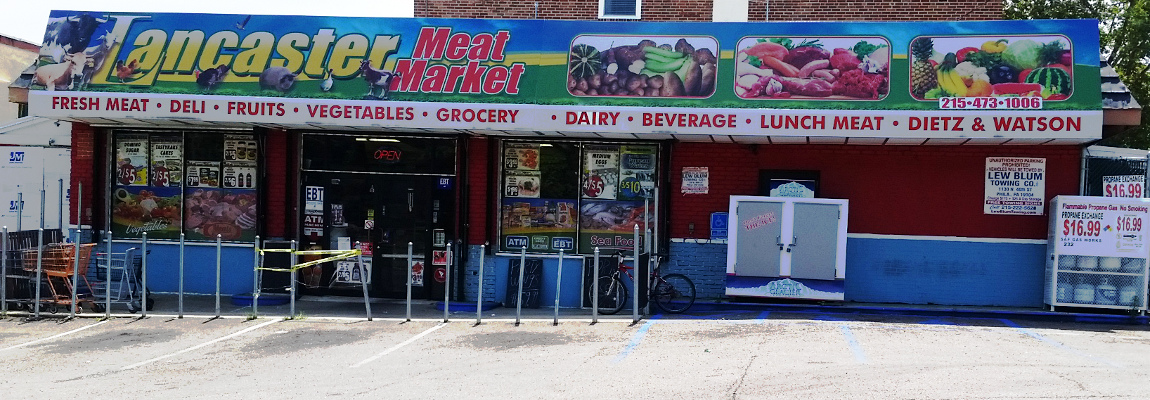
144, 275
558, 281
292, 273
363, 281
19, 211
635, 280
479, 302
409, 246
39, 268
181, 297
108, 277
447, 282
519, 295
595, 289
219, 248
256, 278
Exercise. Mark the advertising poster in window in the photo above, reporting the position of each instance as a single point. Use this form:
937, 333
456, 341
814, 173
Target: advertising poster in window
541, 225
600, 172
1015, 186
167, 162
609, 224
239, 148
696, 180
637, 173
523, 184
521, 157
239, 177
155, 210
132, 160
230, 213
203, 174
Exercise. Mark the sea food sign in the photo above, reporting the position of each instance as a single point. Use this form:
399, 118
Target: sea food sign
1027, 79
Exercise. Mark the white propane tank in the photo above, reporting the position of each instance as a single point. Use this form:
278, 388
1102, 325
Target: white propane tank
1105, 293
1084, 293
1110, 264
1088, 263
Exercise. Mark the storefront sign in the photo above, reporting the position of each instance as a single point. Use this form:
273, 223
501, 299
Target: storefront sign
1015, 186
167, 162
132, 161
417, 273
547, 76
349, 272
1124, 186
1092, 226
696, 180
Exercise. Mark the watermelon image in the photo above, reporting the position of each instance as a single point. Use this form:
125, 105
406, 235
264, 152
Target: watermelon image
1053, 80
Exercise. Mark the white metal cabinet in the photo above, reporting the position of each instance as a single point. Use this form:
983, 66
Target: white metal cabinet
786, 247
1098, 250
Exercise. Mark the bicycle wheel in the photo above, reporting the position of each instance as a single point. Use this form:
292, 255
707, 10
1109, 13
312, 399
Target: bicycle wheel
674, 293
612, 294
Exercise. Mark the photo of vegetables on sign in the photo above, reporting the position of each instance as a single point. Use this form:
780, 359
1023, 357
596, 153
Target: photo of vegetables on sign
155, 210
642, 66
826, 68
991, 66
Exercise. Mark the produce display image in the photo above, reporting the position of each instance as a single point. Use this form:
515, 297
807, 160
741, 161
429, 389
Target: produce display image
826, 68
640, 66
155, 210
991, 66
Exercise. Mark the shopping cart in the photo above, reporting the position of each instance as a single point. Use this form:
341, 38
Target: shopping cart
57, 263
115, 279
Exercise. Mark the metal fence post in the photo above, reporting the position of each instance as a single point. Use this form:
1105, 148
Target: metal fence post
144, 275
39, 268
108, 277
363, 280
479, 302
60, 216
256, 278
181, 295
650, 266
19, 211
558, 280
76, 241
219, 238
447, 282
409, 245
595, 289
4, 272
519, 295
635, 281
293, 288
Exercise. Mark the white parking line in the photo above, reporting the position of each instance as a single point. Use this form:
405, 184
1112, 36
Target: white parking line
54, 336
201, 345
398, 346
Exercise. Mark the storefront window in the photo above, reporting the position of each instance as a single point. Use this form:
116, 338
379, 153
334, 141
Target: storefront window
202, 184
338, 152
574, 196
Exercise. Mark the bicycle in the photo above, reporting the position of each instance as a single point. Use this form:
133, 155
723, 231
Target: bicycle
673, 293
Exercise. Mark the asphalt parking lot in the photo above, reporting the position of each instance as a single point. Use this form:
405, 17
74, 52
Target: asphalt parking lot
733, 354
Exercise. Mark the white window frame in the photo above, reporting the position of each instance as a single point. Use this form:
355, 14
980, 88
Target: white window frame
638, 11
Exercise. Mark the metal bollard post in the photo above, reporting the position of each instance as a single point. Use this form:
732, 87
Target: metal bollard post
447, 282
256, 278
558, 280
635, 281
409, 280
181, 296
108, 277
363, 281
144, 276
39, 269
60, 215
4, 272
519, 298
219, 238
19, 211
479, 302
595, 289
76, 259
293, 288
650, 266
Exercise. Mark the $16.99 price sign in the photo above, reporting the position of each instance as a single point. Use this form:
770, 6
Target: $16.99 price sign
1129, 223
1079, 227
1123, 189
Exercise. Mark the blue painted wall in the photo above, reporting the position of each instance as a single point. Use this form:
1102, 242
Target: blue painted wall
236, 265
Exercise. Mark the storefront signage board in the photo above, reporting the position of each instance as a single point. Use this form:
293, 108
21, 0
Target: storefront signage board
1100, 226
1015, 186
522, 76
696, 180
1124, 186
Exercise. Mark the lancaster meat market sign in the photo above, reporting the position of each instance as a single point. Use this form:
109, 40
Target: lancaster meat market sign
1026, 79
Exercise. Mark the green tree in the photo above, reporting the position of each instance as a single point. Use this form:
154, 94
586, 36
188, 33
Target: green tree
1124, 26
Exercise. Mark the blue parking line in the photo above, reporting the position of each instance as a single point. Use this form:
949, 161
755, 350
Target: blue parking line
763, 317
1058, 344
854, 345
635, 340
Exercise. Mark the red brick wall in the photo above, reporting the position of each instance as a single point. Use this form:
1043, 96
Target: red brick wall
277, 199
85, 146
701, 10
903, 190
478, 208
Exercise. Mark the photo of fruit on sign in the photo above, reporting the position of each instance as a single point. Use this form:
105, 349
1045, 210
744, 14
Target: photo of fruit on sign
983, 66
640, 66
823, 68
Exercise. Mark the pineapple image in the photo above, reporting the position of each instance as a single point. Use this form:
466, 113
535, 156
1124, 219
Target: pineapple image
923, 76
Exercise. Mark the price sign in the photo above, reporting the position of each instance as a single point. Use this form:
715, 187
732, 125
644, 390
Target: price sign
1078, 227
1123, 186
160, 176
1129, 223
126, 174
1098, 226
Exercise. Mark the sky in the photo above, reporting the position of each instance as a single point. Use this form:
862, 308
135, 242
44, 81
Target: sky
27, 19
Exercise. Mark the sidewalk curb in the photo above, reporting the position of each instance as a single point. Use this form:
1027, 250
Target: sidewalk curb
909, 310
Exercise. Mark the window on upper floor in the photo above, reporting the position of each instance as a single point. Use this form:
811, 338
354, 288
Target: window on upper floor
624, 9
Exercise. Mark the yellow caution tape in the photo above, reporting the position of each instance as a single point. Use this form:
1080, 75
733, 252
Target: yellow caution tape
338, 255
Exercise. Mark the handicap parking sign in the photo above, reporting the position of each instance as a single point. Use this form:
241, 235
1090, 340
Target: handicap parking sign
719, 226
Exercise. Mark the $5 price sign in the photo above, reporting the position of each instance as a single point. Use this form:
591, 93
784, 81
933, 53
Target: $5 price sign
1124, 189
1129, 223
1078, 227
